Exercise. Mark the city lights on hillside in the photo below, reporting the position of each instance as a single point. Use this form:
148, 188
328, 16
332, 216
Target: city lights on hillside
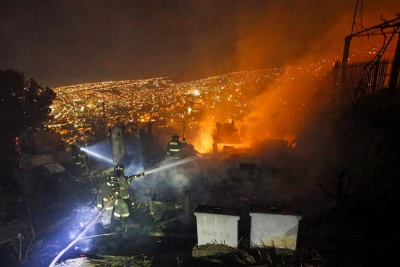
196, 92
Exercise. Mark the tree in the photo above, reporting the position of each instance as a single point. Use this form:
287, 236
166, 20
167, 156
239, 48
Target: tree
24, 104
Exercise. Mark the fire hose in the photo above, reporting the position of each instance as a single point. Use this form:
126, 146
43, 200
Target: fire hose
81, 235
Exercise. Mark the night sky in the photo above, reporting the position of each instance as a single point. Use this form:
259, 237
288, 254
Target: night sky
79, 41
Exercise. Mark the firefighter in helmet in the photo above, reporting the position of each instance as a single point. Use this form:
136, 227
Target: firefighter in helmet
124, 183
175, 147
117, 210
79, 158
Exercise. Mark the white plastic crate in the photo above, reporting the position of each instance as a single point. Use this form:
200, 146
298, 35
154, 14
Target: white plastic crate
217, 225
274, 230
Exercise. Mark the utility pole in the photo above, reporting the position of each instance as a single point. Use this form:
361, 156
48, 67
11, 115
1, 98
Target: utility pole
106, 131
394, 74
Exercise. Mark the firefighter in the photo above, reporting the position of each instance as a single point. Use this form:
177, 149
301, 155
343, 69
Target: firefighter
124, 183
118, 209
175, 147
79, 159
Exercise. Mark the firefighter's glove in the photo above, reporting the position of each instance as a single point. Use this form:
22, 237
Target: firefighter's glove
184, 139
142, 174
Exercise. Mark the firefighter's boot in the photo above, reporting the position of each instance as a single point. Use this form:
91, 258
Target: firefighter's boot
121, 225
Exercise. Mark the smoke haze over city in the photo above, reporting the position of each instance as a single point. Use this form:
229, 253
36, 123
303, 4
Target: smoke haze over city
75, 42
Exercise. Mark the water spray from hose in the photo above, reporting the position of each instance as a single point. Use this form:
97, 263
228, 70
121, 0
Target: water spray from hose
172, 164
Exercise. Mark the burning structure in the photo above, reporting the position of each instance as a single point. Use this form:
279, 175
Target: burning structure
226, 135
